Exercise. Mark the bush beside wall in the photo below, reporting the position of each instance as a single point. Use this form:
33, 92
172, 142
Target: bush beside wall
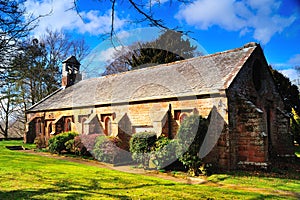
141, 145
107, 149
57, 144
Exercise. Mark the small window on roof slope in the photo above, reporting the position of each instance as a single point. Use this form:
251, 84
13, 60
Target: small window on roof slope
257, 75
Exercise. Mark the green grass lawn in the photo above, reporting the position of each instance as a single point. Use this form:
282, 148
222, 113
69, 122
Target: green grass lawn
27, 176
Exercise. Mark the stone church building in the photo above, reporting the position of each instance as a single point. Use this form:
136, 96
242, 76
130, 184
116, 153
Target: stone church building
249, 125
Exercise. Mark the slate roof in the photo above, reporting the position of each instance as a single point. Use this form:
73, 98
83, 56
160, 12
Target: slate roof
197, 76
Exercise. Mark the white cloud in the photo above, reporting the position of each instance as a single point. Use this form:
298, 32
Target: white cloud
295, 60
292, 74
62, 16
205, 13
156, 2
108, 54
257, 16
122, 35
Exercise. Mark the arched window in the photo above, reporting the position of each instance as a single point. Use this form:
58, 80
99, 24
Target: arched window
257, 75
50, 128
107, 126
39, 126
82, 124
182, 117
68, 125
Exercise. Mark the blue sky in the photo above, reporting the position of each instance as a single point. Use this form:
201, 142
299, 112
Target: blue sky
216, 25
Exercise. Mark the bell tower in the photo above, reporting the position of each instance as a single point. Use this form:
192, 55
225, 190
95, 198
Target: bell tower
70, 72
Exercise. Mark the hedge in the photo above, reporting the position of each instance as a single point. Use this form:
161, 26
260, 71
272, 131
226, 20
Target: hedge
57, 144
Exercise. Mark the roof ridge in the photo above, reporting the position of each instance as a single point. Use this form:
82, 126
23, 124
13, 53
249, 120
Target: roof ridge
228, 63
247, 45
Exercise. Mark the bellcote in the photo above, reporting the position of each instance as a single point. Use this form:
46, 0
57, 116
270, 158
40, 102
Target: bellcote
70, 71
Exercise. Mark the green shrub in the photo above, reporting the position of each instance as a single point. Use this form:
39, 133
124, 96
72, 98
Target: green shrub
161, 142
141, 145
70, 145
107, 149
190, 138
82, 145
57, 144
165, 152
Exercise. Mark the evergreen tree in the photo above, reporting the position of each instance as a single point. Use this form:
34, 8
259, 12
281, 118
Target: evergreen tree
30, 74
290, 95
33, 73
168, 47
289, 91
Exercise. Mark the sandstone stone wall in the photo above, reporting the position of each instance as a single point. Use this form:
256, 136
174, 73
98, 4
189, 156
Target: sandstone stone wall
249, 126
152, 116
140, 114
258, 131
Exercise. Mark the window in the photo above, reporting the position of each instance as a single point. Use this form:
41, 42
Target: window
68, 125
182, 117
50, 128
104, 116
177, 114
257, 75
107, 126
82, 124
39, 126
180, 114
58, 128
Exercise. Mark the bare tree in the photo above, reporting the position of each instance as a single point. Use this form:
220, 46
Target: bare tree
60, 45
122, 60
5, 102
7, 108
144, 10
79, 49
12, 23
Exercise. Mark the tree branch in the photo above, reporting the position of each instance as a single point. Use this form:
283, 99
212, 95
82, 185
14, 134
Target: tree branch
149, 17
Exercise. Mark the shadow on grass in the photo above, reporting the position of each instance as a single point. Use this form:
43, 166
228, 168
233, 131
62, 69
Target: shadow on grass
95, 190
67, 190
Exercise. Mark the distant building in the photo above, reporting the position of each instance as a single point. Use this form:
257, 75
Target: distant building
235, 87
15, 130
